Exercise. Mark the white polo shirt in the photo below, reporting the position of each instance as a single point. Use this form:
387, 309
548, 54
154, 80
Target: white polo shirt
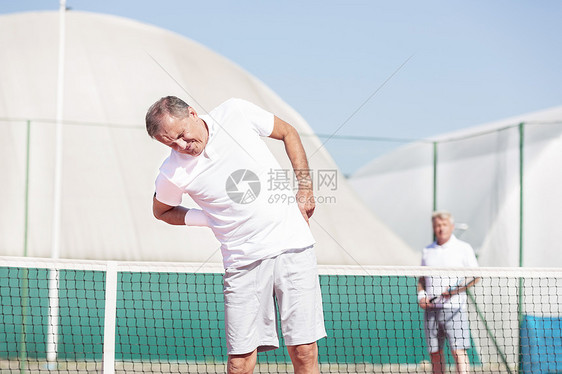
231, 183
454, 253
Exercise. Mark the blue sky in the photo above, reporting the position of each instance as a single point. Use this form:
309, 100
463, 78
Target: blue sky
467, 62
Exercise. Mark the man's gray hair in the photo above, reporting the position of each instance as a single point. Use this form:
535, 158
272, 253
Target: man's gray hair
442, 214
169, 105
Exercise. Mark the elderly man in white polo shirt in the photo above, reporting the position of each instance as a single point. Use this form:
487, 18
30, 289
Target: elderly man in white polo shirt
221, 161
445, 316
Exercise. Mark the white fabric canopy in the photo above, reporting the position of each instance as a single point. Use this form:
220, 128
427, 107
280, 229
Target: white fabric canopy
109, 163
478, 181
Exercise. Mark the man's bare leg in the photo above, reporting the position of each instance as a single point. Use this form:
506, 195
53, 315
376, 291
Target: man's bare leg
304, 358
437, 362
461, 361
242, 364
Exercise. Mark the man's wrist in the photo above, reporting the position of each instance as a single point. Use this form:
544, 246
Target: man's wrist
305, 182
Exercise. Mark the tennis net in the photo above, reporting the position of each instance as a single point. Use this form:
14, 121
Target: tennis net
90, 316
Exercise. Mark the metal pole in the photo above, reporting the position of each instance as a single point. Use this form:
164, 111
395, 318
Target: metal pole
521, 191
434, 207
434, 176
521, 160
52, 328
24, 285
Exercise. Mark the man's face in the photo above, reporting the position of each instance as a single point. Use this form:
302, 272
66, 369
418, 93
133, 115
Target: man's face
443, 229
188, 135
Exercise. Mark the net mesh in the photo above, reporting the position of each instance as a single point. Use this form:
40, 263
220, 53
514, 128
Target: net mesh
169, 319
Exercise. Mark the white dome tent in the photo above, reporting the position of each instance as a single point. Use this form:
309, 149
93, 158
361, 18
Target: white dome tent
114, 69
478, 178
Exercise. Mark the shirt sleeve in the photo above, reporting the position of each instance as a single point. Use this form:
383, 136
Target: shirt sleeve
167, 192
261, 120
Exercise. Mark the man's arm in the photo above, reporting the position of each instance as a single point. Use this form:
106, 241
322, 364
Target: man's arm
174, 215
295, 151
458, 290
178, 215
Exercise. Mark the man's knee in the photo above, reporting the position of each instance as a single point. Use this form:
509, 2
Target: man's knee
242, 364
304, 354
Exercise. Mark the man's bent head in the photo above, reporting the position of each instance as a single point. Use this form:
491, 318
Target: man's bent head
175, 124
166, 106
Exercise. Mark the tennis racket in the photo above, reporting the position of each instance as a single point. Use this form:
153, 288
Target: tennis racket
460, 284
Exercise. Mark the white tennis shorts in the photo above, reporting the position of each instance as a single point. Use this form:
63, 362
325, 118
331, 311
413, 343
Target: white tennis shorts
249, 298
441, 323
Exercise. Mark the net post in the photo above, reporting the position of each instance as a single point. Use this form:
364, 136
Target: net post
109, 318
24, 286
52, 328
24, 306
